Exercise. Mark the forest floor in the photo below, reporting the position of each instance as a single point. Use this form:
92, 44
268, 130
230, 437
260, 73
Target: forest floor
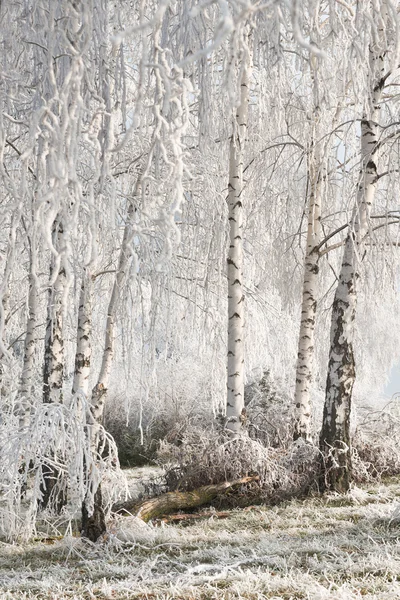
319, 548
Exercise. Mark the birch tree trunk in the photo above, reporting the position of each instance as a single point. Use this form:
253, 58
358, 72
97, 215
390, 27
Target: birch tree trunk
81, 385
30, 342
305, 355
53, 370
235, 374
316, 176
335, 434
84, 337
100, 390
93, 518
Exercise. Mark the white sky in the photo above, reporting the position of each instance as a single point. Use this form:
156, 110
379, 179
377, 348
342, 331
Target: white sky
393, 386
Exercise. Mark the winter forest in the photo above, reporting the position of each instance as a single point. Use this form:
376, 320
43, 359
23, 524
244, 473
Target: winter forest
199, 283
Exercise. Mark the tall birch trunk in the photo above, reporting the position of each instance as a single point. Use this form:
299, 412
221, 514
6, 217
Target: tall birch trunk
81, 385
53, 370
93, 521
335, 434
305, 354
305, 350
235, 373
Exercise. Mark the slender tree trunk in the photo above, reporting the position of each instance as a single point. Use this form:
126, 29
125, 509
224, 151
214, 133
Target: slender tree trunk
305, 351
100, 390
93, 522
235, 374
93, 525
5, 297
30, 344
26, 387
81, 377
84, 337
305, 355
53, 371
335, 434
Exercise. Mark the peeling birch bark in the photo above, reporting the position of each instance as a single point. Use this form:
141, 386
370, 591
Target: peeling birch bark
235, 373
335, 434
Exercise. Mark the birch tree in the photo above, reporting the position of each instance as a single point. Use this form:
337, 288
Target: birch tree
161, 173
326, 107
93, 518
54, 360
335, 440
235, 372
304, 367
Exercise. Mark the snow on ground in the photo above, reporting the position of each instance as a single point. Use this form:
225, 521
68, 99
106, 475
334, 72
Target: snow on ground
321, 548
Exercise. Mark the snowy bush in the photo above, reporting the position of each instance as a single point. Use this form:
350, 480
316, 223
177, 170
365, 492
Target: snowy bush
376, 443
211, 456
269, 411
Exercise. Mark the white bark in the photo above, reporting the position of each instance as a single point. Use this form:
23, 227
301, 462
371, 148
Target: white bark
53, 371
305, 356
30, 342
235, 374
84, 337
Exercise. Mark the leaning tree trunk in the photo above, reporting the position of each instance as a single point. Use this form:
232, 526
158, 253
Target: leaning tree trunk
5, 295
53, 370
93, 518
235, 374
335, 434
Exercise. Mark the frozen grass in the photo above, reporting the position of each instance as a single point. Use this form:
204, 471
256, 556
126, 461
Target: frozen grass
321, 548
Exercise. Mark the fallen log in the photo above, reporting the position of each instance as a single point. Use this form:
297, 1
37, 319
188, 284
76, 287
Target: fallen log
171, 502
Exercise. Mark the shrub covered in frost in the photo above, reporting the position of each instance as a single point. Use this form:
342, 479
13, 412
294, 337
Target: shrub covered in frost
376, 443
207, 457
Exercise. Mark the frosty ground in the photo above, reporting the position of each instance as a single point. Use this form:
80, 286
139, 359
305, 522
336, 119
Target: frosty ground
334, 547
